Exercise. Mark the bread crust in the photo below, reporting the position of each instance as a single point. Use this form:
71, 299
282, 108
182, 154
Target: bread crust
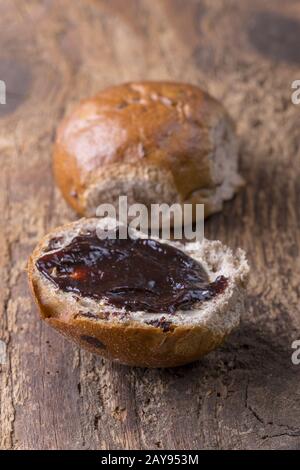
133, 342
156, 142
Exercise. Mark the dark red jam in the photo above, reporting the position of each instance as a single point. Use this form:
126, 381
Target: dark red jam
137, 274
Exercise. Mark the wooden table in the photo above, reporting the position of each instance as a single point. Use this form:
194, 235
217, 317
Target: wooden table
246, 53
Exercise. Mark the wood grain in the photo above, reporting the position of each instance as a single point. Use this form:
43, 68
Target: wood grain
247, 393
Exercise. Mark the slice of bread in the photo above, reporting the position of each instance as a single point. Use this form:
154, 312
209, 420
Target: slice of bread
155, 142
141, 338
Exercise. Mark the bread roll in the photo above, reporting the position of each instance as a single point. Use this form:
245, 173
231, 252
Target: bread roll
135, 337
155, 142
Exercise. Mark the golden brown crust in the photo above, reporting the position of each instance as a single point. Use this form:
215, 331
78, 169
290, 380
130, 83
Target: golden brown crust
141, 346
152, 135
132, 344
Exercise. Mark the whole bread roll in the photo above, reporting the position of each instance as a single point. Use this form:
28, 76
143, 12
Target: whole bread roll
135, 337
155, 142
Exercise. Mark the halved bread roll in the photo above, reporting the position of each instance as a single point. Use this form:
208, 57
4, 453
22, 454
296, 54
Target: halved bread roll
155, 142
129, 335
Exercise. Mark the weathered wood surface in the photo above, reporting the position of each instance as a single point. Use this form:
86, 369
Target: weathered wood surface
244, 395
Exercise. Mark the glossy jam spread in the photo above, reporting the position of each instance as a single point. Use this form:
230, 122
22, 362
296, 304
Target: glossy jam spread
137, 274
